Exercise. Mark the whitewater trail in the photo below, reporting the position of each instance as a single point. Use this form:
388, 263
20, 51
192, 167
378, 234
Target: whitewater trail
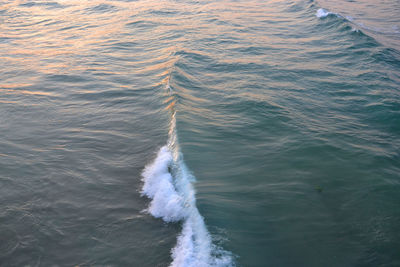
168, 183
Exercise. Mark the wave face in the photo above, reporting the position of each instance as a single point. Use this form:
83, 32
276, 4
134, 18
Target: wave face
168, 183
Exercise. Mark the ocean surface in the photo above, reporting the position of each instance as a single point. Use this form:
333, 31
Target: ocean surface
200, 133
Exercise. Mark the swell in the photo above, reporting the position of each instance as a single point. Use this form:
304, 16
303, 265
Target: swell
362, 27
385, 53
168, 183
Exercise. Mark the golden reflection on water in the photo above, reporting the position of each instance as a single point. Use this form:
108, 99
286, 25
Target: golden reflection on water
50, 39
40, 33
25, 92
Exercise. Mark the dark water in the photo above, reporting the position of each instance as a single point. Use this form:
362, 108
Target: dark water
288, 119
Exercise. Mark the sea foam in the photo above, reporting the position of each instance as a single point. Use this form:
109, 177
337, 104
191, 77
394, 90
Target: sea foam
322, 13
166, 203
168, 183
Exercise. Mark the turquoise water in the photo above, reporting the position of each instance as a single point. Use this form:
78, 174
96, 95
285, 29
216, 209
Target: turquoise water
188, 133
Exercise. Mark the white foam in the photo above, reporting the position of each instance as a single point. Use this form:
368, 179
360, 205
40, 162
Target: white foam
173, 199
322, 13
168, 182
158, 185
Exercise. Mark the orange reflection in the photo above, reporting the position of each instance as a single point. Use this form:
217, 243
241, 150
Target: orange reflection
23, 92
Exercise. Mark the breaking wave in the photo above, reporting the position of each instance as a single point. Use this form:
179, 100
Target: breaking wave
168, 183
322, 13
394, 30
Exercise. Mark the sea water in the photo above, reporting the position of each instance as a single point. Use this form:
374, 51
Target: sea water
199, 133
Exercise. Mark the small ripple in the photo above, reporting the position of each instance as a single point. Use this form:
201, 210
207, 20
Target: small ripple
47, 5
102, 8
67, 78
142, 24
9, 241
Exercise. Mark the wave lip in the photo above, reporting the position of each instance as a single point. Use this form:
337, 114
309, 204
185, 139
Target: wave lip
322, 13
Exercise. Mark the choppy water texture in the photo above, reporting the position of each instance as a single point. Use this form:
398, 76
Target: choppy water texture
211, 133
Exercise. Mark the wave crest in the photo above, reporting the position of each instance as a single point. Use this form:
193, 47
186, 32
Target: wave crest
322, 13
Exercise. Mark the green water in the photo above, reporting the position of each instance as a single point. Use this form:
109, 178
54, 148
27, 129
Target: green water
290, 123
